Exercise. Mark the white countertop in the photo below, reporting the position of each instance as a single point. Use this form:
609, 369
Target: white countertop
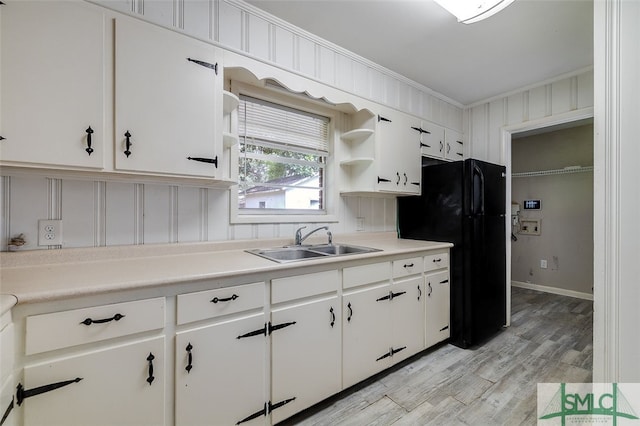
45, 275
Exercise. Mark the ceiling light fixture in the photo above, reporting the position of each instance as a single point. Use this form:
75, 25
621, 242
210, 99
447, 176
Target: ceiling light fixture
470, 11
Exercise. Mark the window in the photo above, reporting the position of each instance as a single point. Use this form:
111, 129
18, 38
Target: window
282, 159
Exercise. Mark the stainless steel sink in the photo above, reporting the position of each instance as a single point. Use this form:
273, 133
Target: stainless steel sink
297, 253
340, 249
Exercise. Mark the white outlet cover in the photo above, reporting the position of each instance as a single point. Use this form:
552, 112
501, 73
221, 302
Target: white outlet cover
50, 232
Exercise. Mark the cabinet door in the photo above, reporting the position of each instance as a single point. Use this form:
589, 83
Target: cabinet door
305, 360
408, 318
220, 376
366, 333
120, 385
432, 140
437, 308
52, 77
454, 145
387, 158
410, 164
166, 103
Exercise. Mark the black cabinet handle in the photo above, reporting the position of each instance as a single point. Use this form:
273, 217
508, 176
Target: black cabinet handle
127, 144
89, 133
22, 393
213, 161
273, 328
257, 332
383, 180
190, 358
381, 118
406, 179
89, 321
408, 265
333, 317
424, 145
255, 415
150, 358
437, 260
205, 64
225, 299
398, 180
419, 292
350, 312
430, 290
448, 148
441, 146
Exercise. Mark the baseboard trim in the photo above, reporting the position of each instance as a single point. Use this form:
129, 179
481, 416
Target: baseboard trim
554, 290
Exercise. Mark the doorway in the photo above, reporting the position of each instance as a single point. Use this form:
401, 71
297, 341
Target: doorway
537, 127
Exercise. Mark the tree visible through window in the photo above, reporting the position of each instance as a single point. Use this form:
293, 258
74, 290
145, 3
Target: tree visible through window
282, 157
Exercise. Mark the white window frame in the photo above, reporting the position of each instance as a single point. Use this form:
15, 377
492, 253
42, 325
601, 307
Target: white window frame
300, 102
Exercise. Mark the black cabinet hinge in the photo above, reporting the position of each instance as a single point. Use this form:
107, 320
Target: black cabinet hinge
214, 67
10, 407
22, 393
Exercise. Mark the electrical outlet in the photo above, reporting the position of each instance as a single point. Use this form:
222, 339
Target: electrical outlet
49, 232
543, 263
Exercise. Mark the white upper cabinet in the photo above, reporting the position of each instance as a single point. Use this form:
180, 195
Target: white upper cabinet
52, 78
168, 102
441, 143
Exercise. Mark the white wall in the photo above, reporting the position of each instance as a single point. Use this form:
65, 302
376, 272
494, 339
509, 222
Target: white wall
616, 177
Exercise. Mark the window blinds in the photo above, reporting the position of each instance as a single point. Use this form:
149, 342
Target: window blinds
264, 121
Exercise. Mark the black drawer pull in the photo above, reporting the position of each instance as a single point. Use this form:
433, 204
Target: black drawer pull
430, 289
333, 317
89, 133
89, 321
128, 144
350, 312
225, 299
419, 292
190, 358
437, 260
408, 265
151, 378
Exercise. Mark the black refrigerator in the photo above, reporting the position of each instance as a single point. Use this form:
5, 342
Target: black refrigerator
463, 202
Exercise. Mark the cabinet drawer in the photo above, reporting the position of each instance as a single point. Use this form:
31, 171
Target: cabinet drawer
299, 286
407, 267
57, 330
366, 274
436, 261
218, 302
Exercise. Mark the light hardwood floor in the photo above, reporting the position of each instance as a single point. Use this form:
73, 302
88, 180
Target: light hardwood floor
550, 340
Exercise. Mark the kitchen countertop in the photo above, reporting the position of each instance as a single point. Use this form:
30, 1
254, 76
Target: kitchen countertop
44, 275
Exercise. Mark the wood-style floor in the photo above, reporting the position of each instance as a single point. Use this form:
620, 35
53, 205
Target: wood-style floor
550, 340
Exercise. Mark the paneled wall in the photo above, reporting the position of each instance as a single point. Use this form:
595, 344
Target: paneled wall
483, 121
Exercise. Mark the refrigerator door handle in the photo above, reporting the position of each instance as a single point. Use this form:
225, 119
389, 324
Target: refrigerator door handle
478, 172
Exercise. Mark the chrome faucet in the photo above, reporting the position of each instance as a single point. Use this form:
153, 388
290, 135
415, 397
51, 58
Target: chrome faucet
300, 238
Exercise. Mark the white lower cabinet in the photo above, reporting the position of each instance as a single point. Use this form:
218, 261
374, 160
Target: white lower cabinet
437, 299
220, 373
366, 333
305, 355
407, 311
119, 385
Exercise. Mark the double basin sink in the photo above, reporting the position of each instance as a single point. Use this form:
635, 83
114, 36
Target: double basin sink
296, 253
